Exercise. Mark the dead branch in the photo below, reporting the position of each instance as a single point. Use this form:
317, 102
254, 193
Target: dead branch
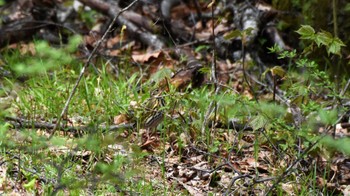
112, 10
29, 124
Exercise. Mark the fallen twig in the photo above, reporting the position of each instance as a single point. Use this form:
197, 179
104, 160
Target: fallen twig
114, 11
24, 123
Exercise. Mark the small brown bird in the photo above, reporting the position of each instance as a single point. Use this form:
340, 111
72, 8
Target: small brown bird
155, 114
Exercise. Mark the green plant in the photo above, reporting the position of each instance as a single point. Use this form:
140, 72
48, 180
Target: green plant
323, 38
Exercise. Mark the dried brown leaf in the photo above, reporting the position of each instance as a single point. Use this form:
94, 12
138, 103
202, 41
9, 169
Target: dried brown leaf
146, 57
121, 118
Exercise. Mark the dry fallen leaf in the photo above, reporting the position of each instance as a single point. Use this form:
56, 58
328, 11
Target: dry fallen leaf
145, 57
121, 118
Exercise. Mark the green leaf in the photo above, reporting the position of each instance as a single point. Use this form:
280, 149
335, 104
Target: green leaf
258, 122
324, 38
202, 47
30, 185
335, 46
133, 78
347, 7
233, 34
213, 149
306, 32
211, 4
204, 70
308, 49
274, 49
248, 31
278, 70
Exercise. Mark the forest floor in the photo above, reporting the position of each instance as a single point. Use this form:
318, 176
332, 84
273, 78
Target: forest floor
167, 98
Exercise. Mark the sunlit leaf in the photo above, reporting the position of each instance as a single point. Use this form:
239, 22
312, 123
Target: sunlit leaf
248, 31
306, 32
335, 46
204, 70
278, 70
30, 185
123, 29
202, 47
323, 38
347, 7
233, 34
258, 122
211, 4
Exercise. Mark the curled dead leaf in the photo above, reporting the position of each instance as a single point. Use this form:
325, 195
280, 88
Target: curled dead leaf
121, 118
